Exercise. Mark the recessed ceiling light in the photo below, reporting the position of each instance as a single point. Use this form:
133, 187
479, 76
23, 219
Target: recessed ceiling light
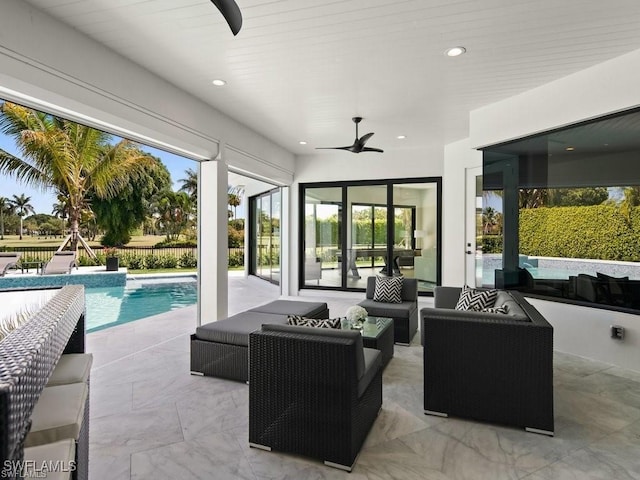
569, 149
401, 137
455, 51
302, 142
219, 83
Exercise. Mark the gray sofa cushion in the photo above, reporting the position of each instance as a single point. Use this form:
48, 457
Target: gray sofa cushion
513, 309
355, 335
235, 330
391, 310
372, 363
292, 307
446, 297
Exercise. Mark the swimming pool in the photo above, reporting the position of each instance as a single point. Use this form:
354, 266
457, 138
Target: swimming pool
110, 306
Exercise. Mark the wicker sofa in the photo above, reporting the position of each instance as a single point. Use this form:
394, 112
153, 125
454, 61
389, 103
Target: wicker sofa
489, 366
28, 360
312, 391
219, 349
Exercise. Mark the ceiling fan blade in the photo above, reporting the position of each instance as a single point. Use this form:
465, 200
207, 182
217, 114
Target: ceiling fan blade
365, 138
350, 147
231, 13
371, 149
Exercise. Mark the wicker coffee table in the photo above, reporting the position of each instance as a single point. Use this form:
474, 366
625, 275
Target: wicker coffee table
377, 332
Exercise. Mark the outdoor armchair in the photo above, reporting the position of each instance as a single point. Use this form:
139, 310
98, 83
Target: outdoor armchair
312, 391
61, 262
7, 261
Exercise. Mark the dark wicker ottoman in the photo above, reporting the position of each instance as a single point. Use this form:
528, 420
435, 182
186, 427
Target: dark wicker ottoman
220, 349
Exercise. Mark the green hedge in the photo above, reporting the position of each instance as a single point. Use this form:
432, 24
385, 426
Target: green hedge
603, 232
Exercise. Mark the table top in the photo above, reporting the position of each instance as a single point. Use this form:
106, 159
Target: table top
374, 326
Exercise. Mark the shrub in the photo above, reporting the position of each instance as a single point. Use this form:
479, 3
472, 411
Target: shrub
188, 260
152, 262
236, 260
176, 243
132, 261
168, 261
492, 244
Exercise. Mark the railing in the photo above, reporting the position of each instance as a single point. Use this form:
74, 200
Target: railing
44, 254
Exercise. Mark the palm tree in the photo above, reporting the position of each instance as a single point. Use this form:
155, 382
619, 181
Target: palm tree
22, 207
5, 207
488, 219
72, 159
234, 195
190, 183
173, 213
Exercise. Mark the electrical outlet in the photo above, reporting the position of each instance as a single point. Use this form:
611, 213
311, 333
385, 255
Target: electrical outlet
617, 332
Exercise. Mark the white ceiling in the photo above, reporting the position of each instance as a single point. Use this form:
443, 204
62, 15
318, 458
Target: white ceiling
300, 69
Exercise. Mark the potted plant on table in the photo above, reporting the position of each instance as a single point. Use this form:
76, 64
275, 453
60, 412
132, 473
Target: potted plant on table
112, 259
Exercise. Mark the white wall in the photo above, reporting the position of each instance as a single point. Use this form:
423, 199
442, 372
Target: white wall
609, 87
585, 332
458, 157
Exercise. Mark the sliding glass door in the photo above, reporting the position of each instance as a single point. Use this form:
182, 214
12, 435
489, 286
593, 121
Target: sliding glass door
265, 235
390, 227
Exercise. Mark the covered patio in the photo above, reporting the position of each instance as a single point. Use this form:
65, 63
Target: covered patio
151, 419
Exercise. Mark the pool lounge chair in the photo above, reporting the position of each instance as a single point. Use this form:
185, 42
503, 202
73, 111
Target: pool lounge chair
8, 260
61, 262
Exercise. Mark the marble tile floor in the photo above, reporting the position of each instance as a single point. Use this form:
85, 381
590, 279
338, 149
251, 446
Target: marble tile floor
150, 419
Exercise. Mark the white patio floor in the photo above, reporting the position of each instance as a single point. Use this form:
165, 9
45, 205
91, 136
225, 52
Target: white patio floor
150, 419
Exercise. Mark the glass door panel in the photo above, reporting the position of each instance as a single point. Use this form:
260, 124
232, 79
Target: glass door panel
367, 229
416, 232
323, 254
265, 236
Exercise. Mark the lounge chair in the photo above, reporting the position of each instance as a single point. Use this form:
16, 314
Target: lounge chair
8, 260
61, 262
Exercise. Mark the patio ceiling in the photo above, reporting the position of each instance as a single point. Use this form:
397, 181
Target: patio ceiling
300, 69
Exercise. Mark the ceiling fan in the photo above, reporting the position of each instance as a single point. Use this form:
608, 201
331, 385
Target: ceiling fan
231, 13
358, 144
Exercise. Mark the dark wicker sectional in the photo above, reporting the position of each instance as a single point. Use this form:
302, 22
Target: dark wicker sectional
220, 349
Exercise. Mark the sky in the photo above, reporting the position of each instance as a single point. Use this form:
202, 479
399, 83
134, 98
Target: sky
43, 201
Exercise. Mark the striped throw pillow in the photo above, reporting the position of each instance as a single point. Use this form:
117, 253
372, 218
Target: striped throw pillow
299, 321
388, 290
472, 299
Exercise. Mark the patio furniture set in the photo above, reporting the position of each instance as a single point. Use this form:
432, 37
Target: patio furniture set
317, 391
61, 262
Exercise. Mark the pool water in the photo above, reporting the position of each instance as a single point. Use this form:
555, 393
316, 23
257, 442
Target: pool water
110, 306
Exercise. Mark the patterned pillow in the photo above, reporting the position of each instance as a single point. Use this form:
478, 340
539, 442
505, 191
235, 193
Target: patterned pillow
472, 299
503, 309
313, 322
388, 290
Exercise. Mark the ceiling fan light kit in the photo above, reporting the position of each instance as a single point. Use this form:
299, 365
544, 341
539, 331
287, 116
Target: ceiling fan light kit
358, 144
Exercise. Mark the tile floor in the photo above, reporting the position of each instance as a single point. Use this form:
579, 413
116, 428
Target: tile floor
150, 419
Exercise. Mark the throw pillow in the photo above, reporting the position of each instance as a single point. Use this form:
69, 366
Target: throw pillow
299, 321
502, 309
388, 290
472, 299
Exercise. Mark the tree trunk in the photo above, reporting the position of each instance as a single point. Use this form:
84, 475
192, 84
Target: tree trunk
74, 233
21, 228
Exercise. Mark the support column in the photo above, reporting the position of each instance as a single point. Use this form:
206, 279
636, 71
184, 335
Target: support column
213, 280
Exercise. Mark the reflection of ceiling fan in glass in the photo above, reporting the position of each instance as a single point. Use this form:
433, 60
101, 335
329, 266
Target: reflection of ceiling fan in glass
231, 13
358, 144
